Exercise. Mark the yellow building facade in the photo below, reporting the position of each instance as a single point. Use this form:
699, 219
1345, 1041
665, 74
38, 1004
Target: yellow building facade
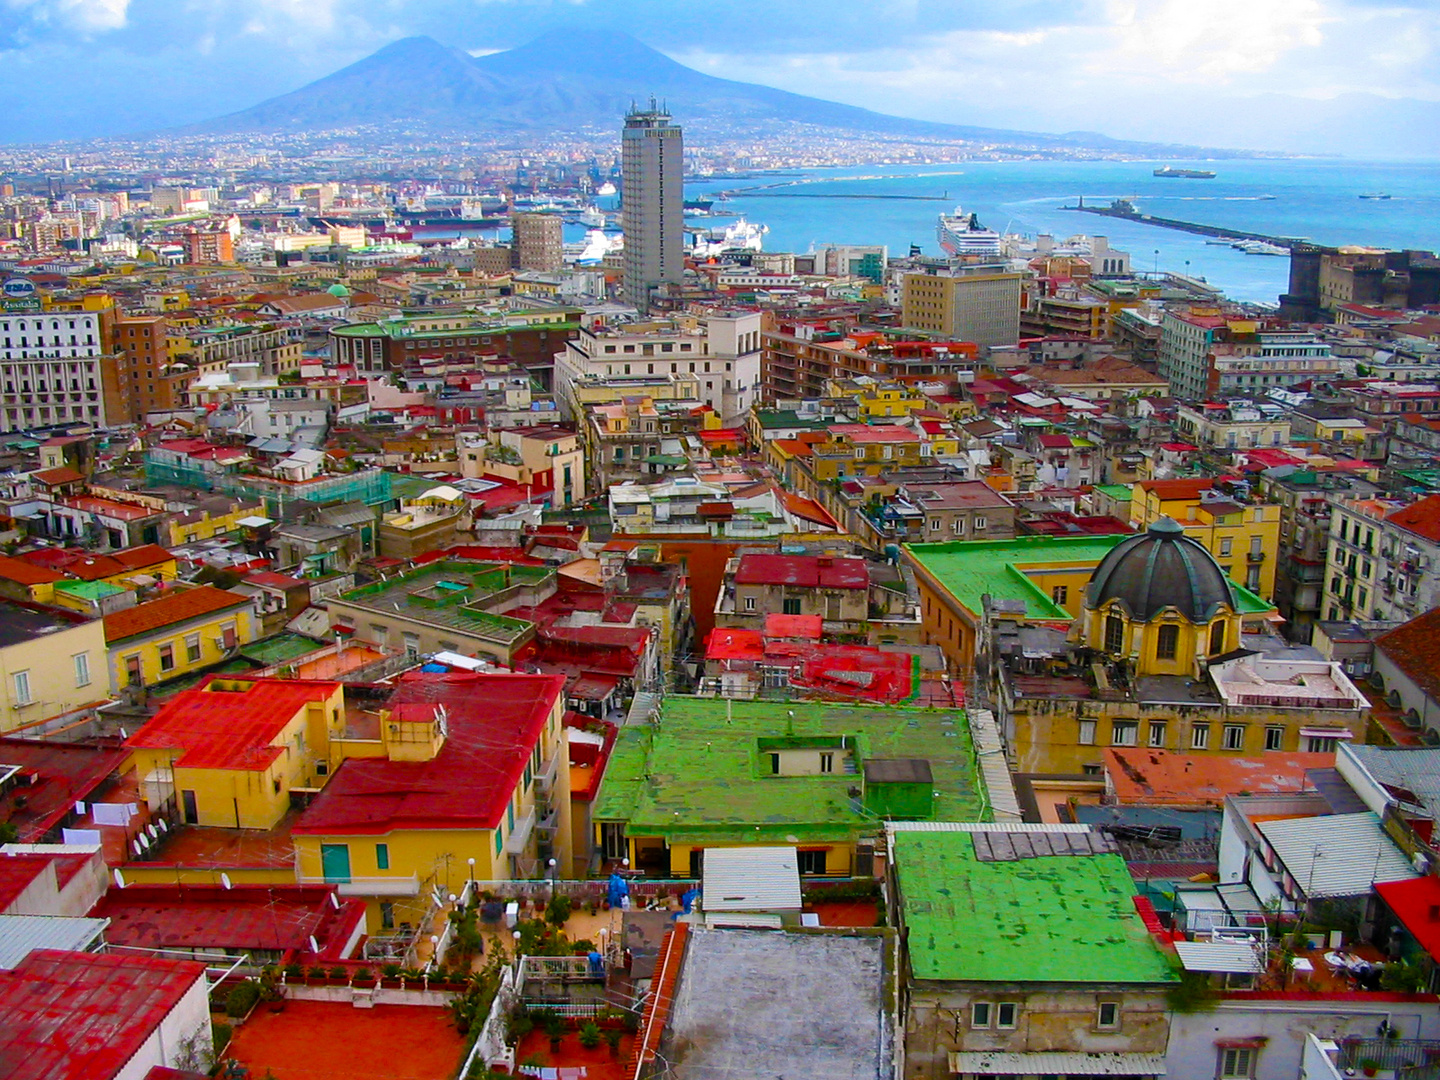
1243, 537
51, 663
466, 783
181, 632
231, 753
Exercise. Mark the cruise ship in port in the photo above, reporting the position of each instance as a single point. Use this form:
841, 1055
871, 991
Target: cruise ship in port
962, 234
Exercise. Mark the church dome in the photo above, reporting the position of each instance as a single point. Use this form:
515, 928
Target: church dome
1158, 569
337, 290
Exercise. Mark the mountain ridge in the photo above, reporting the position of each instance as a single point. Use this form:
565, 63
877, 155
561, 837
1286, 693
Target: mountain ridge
584, 80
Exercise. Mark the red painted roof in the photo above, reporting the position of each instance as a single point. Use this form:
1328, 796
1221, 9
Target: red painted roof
480, 553
273, 580
276, 917
494, 723
874, 433
61, 775
794, 626
1188, 488
725, 643
1415, 904
806, 571
228, 729
593, 687
174, 607
81, 1016
16, 874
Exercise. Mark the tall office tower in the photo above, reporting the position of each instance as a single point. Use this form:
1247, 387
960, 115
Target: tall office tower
536, 245
652, 165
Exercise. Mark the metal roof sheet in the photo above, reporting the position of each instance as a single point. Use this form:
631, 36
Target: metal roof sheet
20, 935
1225, 956
1337, 854
751, 879
1074, 1064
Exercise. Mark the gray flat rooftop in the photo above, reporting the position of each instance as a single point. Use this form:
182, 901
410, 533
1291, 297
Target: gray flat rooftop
19, 624
753, 1003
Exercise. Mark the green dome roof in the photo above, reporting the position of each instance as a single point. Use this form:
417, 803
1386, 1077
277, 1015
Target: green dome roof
338, 290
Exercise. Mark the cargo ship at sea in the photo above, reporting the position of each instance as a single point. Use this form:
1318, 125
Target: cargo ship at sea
962, 234
1184, 174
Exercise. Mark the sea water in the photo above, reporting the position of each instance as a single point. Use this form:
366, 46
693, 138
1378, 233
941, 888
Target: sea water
1313, 198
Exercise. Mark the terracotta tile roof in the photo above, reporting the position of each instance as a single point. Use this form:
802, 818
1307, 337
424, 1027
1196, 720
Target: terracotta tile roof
1415, 650
1162, 776
1421, 518
93, 567
61, 475
24, 573
175, 607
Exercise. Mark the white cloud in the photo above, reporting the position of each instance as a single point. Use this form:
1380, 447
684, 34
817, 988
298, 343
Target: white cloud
82, 16
1154, 64
1212, 40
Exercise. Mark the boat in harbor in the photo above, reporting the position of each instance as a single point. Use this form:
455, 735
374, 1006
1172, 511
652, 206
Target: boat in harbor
962, 234
1260, 247
1168, 173
1373, 195
739, 235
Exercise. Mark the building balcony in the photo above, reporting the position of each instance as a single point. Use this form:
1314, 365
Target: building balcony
1399, 1056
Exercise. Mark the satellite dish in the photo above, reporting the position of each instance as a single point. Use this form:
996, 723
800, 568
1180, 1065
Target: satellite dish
119, 879
225, 880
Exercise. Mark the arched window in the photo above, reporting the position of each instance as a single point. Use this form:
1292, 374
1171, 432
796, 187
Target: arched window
1217, 637
1114, 634
1167, 642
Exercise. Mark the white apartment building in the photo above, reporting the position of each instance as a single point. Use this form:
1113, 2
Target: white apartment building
51, 369
721, 351
1381, 560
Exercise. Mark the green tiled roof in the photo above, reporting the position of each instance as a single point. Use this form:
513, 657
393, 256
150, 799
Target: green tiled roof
1119, 492
281, 647
789, 418
1057, 918
700, 776
969, 569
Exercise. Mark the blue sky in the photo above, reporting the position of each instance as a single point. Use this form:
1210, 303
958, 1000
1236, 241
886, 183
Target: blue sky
1140, 68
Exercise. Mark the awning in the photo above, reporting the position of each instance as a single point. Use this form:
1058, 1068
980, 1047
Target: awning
1229, 957
1326, 733
1072, 1064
